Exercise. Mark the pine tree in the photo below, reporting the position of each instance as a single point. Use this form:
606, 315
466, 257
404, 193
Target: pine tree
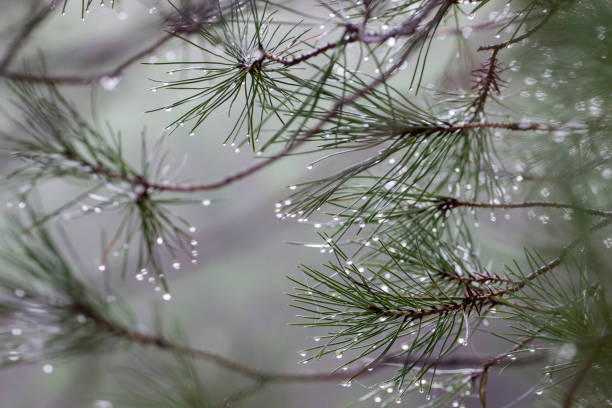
439, 128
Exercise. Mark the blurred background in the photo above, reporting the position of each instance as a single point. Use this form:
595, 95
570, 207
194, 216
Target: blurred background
233, 301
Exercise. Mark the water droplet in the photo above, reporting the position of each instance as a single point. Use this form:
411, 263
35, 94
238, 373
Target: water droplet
109, 83
167, 296
530, 81
206, 203
47, 369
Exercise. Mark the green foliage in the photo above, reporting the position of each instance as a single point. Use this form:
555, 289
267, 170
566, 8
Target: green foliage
408, 158
234, 45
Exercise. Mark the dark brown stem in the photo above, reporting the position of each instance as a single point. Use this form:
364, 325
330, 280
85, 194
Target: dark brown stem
487, 81
529, 204
349, 36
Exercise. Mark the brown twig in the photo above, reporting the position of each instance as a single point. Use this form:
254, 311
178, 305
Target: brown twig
488, 80
451, 203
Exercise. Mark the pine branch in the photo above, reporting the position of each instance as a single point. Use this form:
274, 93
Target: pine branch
160, 342
477, 301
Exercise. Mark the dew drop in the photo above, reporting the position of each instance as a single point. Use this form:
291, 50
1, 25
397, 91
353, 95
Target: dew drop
109, 82
530, 81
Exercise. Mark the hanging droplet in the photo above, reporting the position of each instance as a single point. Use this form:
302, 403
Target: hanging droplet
110, 82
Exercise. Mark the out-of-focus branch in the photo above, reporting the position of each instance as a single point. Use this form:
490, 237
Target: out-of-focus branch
158, 341
24, 34
93, 78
